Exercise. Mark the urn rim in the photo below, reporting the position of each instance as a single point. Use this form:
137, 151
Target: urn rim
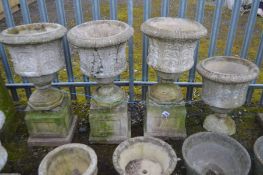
147, 139
42, 170
179, 31
34, 33
85, 40
214, 136
255, 148
234, 75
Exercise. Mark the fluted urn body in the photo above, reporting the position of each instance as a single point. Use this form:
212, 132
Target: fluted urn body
102, 50
72, 159
3, 152
212, 153
225, 84
172, 42
144, 155
258, 151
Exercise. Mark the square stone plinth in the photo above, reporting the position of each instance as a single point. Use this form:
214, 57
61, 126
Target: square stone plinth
165, 121
109, 125
51, 128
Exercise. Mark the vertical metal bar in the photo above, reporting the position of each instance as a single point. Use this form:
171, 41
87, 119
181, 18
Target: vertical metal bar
146, 15
165, 8
261, 99
25, 12
10, 23
215, 27
113, 9
258, 63
130, 52
249, 28
42, 8
233, 27
95, 9
182, 8
80, 19
8, 72
191, 78
62, 21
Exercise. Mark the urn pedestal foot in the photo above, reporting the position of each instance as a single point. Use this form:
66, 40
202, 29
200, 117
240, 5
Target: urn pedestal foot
109, 125
51, 127
224, 125
165, 121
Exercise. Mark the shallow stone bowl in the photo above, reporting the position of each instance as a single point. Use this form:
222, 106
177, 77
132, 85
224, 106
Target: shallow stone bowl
208, 153
258, 151
144, 156
73, 159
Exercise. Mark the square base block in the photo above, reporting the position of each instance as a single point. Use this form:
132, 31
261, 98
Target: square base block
109, 125
170, 127
55, 123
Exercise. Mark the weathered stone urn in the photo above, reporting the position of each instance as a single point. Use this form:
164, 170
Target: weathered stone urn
144, 155
69, 159
102, 50
258, 151
225, 84
208, 153
172, 42
3, 152
36, 52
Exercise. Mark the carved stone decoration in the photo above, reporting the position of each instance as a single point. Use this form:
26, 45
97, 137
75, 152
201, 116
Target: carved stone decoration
73, 159
144, 155
101, 46
36, 52
213, 153
172, 42
225, 84
3, 152
258, 151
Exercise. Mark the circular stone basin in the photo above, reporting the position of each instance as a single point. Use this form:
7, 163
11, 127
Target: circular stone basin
100, 33
72, 159
144, 156
228, 69
258, 151
32, 33
208, 153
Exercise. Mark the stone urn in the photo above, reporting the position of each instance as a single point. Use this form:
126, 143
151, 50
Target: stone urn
208, 153
172, 42
144, 156
36, 52
3, 152
69, 159
101, 46
258, 151
225, 84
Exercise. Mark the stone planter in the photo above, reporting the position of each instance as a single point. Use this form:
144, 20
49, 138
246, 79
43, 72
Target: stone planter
102, 50
225, 83
258, 151
172, 42
36, 52
77, 159
144, 155
3, 152
217, 154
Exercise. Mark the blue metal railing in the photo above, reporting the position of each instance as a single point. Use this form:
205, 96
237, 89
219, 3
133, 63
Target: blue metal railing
144, 83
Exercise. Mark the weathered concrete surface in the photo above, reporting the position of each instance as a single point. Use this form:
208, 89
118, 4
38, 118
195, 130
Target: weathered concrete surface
225, 84
258, 151
69, 159
144, 155
260, 119
109, 125
3, 152
212, 153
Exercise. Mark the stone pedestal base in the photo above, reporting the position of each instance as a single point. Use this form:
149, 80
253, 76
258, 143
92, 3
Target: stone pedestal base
223, 125
109, 125
165, 121
51, 128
